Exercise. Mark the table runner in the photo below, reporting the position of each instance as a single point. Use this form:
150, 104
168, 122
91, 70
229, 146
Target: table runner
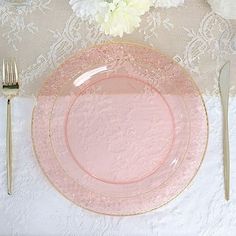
43, 35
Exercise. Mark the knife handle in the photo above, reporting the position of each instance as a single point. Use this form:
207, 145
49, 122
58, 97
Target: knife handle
226, 158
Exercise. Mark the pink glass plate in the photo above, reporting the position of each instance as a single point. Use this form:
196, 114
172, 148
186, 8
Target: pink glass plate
119, 129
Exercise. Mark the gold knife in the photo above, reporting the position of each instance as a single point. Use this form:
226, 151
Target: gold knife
224, 85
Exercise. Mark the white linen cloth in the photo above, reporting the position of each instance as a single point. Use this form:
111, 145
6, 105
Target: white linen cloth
41, 37
36, 208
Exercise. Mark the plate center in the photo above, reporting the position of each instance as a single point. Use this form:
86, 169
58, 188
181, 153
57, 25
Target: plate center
119, 129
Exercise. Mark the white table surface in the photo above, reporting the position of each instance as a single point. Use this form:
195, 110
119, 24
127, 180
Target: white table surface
36, 208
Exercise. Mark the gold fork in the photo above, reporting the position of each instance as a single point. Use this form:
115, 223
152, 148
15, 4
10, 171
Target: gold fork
10, 90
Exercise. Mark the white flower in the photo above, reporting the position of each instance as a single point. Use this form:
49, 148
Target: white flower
122, 16
86, 9
117, 17
168, 3
225, 8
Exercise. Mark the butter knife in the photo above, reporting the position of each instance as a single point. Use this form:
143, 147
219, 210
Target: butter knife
224, 85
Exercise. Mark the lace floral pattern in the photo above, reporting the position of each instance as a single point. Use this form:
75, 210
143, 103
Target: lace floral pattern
15, 18
212, 44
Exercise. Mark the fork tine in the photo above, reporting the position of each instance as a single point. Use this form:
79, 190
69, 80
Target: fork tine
15, 72
3, 72
7, 79
11, 72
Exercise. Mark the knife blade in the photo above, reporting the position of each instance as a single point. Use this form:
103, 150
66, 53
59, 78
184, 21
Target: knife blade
224, 86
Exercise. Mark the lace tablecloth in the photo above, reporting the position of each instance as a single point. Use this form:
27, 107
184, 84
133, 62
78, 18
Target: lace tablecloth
41, 37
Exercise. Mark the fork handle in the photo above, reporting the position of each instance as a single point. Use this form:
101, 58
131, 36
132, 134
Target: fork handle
9, 148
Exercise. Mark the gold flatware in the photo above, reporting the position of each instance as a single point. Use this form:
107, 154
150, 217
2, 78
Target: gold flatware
224, 85
10, 90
